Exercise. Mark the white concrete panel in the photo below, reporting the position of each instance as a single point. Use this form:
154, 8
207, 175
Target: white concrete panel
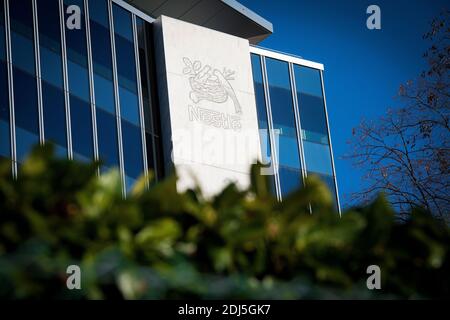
208, 103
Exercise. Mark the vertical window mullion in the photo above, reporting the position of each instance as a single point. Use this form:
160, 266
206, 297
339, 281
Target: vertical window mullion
65, 79
297, 121
271, 130
329, 141
140, 97
12, 125
116, 95
38, 72
91, 81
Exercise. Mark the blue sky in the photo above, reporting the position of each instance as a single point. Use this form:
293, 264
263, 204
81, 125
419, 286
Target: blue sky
363, 68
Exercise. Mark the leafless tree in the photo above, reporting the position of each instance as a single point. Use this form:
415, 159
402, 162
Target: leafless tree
406, 153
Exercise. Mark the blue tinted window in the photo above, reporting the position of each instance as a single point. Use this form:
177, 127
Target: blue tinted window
98, 12
290, 180
284, 120
132, 150
2, 31
4, 99
26, 112
283, 112
101, 55
25, 141
22, 43
107, 138
261, 107
54, 115
4, 112
104, 93
77, 55
51, 67
123, 32
318, 157
81, 117
122, 23
50, 42
78, 80
311, 105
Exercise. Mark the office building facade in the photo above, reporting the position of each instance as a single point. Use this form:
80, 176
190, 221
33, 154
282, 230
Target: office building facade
153, 85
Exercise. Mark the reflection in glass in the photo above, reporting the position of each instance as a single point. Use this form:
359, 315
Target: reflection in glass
53, 102
314, 125
101, 55
123, 35
50, 42
22, 38
26, 113
54, 117
107, 138
318, 157
261, 110
284, 120
80, 115
25, 105
311, 105
77, 65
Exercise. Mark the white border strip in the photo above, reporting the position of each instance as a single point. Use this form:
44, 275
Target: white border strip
134, 10
286, 57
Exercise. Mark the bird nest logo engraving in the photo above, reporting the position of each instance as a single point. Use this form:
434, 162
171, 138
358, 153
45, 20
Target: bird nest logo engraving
210, 84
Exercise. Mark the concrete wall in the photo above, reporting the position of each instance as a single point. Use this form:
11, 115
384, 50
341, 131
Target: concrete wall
207, 101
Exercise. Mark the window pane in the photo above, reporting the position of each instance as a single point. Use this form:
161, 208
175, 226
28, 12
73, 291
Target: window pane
261, 108
77, 56
54, 115
26, 112
22, 43
283, 112
284, 120
290, 180
80, 112
132, 150
123, 32
318, 158
50, 42
101, 55
311, 105
107, 139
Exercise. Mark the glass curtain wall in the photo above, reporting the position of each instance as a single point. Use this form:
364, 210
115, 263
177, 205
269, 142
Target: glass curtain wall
282, 108
82, 122
128, 95
316, 142
298, 111
24, 77
52, 83
86, 90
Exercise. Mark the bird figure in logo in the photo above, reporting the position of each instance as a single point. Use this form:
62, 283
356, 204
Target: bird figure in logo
210, 84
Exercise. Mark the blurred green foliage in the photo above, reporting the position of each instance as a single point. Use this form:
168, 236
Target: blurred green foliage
160, 243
